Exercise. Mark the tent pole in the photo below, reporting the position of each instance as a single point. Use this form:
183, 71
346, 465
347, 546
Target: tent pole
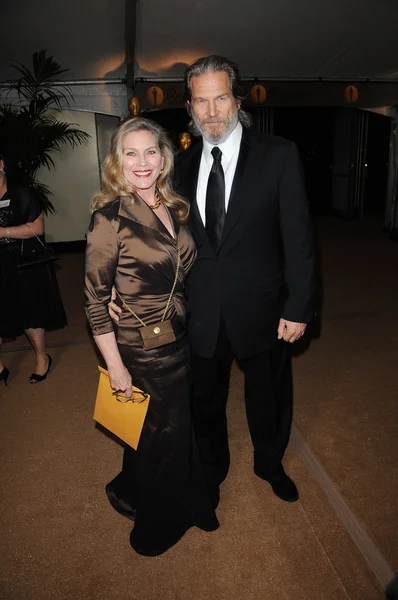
130, 14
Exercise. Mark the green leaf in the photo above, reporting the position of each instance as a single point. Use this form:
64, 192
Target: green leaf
30, 134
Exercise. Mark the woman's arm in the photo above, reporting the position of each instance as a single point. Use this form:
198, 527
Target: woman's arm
102, 255
23, 232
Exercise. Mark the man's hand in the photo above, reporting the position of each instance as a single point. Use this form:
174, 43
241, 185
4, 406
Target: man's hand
290, 331
113, 309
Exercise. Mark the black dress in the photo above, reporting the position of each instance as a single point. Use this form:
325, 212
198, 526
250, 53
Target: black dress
161, 486
29, 298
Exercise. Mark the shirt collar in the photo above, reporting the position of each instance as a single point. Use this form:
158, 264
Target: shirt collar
228, 147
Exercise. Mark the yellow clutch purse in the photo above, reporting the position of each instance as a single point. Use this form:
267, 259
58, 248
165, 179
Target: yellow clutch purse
123, 417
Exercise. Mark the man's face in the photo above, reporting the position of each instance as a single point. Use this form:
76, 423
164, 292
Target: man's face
213, 107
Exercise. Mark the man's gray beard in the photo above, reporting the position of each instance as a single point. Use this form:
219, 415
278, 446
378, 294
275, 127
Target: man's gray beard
222, 136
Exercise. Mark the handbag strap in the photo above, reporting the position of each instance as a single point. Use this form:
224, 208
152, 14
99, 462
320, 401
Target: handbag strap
36, 236
171, 293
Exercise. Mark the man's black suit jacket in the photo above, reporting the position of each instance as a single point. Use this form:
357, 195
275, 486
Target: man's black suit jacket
264, 267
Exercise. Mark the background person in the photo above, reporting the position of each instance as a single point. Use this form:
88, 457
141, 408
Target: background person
30, 302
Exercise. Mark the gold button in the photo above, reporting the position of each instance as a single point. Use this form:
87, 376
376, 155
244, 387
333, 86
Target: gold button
156, 330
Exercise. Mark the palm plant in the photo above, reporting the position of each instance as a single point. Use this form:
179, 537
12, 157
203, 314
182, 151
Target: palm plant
30, 131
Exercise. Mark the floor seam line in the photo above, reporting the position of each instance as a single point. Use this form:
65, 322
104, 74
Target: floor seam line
376, 561
324, 551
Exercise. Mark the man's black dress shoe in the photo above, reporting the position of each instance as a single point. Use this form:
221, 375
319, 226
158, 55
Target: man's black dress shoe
281, 484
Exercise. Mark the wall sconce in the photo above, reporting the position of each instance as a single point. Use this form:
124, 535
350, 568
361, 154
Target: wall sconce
155, 95
351, 94
134, 106
258, 94
184, 140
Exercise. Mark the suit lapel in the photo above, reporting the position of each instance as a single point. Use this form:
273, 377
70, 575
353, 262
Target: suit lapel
195, 220
237, 195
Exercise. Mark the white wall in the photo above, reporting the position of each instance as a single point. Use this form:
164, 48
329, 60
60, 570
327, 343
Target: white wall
75, 179
104, 98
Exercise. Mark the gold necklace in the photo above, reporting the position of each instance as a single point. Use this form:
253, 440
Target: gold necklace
157, 203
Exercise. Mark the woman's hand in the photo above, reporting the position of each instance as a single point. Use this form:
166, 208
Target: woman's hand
119, 377
120, 380
3, 233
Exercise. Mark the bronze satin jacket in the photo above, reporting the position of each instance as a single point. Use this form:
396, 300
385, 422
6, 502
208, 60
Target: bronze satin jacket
129, 247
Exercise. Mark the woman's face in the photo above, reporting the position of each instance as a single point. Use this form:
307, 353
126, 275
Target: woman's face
142, 160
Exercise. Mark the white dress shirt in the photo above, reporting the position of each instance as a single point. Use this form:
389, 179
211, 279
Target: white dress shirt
229, 159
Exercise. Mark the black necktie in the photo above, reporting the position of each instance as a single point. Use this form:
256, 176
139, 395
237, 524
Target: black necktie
215, 200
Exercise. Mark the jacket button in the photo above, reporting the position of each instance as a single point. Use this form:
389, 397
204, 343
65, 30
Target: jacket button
219, 259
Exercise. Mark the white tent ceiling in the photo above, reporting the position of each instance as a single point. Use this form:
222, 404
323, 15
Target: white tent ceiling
85, 36
338, 39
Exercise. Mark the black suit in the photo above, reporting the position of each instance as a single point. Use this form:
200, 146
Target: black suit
262, 271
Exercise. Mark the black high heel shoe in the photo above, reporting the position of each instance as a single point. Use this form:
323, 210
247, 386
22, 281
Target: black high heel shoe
36, 378
4, 375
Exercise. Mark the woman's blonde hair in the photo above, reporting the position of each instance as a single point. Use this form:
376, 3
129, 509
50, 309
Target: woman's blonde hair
115, 184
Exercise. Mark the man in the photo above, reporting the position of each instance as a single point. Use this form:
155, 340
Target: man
251, 290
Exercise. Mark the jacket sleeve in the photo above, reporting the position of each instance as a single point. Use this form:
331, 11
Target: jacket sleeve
102, 255
29, 207
297, 239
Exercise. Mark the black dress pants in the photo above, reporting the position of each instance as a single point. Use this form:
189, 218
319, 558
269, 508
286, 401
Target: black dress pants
268, 401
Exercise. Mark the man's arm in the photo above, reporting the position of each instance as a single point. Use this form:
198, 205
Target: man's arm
298, 247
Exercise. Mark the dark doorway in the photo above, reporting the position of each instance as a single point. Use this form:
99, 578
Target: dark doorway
312, 130
377, 164
174, 120
349, 159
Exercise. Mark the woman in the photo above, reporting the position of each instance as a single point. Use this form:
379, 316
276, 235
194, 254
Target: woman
29, 298
134, 240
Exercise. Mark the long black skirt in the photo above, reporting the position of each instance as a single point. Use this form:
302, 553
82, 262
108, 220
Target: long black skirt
161, 485
29, 298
